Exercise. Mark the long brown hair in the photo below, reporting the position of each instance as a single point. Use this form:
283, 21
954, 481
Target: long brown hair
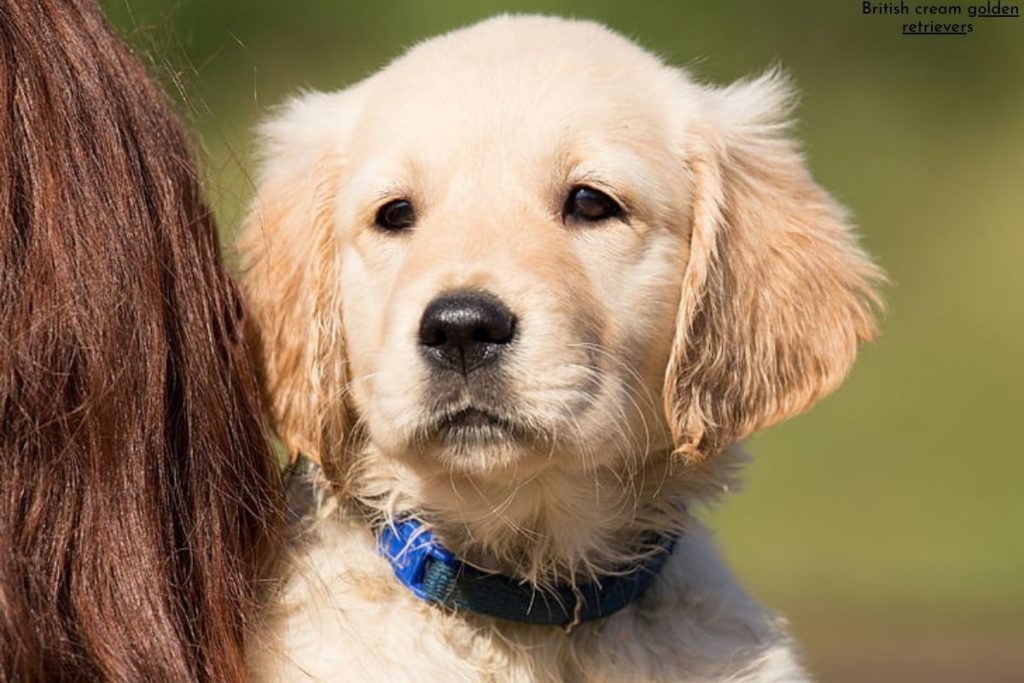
138, 493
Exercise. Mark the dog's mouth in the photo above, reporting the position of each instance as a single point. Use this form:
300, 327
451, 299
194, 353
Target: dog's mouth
474, 424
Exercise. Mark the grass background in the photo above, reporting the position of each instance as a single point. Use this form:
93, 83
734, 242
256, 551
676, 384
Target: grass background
888, 523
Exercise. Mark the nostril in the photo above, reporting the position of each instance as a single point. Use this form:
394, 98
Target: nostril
495, 327
466, 329
432, 334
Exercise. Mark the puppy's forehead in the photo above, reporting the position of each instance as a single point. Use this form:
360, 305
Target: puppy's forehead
519, 51
525, 81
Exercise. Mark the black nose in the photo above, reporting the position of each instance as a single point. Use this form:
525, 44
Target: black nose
463, 331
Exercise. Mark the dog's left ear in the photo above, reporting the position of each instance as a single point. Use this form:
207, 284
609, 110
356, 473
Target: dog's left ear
777, 294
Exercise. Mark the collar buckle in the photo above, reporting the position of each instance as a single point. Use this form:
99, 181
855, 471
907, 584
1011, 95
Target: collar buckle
411, 550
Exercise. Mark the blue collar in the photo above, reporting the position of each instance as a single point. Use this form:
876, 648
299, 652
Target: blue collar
433, 574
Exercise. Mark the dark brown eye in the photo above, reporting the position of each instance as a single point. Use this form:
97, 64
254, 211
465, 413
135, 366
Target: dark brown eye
396, 215
588, 204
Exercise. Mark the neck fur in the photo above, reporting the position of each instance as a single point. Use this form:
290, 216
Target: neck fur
556, 526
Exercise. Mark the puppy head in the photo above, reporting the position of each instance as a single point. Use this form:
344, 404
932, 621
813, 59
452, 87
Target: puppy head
530, 244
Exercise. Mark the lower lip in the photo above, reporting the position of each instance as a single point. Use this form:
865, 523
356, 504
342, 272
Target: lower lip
475, 423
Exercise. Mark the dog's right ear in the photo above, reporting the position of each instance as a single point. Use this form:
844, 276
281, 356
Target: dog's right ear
289, 262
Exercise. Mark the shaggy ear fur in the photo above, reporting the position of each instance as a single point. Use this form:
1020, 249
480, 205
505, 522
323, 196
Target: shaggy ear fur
290, 274
777, 293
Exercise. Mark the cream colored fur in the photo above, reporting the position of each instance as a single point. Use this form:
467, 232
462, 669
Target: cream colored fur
730, 295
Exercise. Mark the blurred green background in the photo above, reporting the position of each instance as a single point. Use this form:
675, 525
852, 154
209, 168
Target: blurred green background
888, 523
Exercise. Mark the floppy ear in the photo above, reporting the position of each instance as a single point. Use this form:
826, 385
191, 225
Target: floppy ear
776, 295
290, 278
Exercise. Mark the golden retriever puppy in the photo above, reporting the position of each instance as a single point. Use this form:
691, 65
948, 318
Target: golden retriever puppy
519, 294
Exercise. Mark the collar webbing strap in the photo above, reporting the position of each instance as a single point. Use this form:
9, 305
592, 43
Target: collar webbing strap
433, 574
